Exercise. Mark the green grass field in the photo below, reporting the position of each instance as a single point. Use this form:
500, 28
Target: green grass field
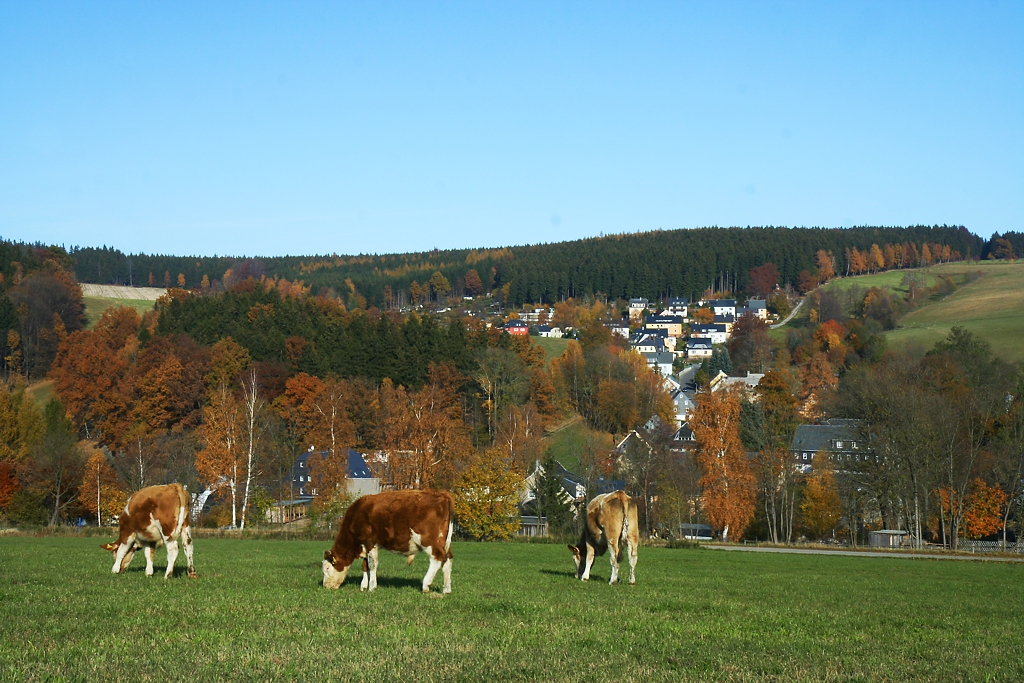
991, 307
553, 348
257, 612
94, 307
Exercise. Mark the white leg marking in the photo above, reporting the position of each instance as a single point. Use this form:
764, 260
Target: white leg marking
590, 563
613, 550
431, 570
632, 564
149, 552
448, 541
123, 550
172, 555
371, 560
446, 571
186, 541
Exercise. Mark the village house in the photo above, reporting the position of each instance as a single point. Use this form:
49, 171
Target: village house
549, 332
723, 306
716, 333
755, 307
359, 482
722, 382
517, 327
637, 308
673, 324
661, 362
677, 306
838, 439
727, 320
698, 348
619, 329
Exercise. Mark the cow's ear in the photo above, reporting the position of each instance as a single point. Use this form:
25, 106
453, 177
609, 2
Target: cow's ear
572, 548
108, 546
329, 556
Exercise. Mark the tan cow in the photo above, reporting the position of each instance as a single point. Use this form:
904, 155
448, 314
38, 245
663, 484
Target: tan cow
610, 520
404, 522
152, 516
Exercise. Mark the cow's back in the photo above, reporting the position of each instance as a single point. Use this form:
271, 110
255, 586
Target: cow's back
395, 519
167, 504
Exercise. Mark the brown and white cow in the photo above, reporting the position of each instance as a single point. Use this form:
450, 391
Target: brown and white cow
152, 516
404, 522
610, 520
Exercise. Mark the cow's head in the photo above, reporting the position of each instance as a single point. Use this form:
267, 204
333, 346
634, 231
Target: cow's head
114, 547
576, 557
334, 571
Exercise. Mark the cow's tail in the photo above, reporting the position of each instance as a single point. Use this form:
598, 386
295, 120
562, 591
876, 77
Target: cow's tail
183, 501
626, 505
451, 526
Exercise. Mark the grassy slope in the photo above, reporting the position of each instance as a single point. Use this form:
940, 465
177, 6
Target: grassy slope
992, 308
94, 307
553, 348
258, 613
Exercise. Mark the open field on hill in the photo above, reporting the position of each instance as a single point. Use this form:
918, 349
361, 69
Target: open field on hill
94, 306
992, 308
553, 348
257, 612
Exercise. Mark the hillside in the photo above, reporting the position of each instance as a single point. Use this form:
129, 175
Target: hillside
991, 307
647, 264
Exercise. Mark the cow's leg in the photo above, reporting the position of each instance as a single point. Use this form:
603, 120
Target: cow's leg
446, 572
125, 553
435, 564
591, 554
186, 542
172, 555
149, 551
613, 552
371, 559
632, 561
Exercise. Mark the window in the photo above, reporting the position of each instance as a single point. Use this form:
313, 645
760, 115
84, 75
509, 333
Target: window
839, 444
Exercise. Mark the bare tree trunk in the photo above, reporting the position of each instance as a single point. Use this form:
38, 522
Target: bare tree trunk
253, 405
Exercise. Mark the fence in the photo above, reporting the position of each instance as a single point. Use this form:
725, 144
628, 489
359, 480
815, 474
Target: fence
969, 546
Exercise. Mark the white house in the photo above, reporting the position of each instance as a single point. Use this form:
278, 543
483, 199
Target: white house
718, 334
723, 306
755, 307
661, 362
637, 308
551, 332
698, 347
676, 306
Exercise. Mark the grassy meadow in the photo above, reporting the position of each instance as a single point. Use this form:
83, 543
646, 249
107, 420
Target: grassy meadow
992, 308
94, 307
257, 612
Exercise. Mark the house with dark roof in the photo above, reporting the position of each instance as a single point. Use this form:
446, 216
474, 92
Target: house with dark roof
517, 327
698, 347
840, 440
716, 333
637, 308
673, 324
660, 362
723, 306
677, 306
755, 307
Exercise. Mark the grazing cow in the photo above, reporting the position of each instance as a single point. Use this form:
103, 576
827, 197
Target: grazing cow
404, 522
154, 515
610, 521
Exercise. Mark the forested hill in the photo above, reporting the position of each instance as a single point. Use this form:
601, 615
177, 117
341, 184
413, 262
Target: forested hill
653, 264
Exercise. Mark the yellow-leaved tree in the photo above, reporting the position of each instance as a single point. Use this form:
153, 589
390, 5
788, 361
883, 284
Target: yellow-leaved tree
821, 507
101, 492
726, 477
487, 496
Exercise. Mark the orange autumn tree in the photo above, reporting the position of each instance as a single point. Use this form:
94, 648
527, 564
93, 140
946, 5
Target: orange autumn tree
422, 439
219, 463
101, 492
726, 476
318, 411
984, 515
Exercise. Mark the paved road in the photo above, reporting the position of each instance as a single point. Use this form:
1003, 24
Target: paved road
790, 316
863, 553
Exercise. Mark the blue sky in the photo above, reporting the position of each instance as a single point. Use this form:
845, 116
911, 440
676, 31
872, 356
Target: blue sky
298, 127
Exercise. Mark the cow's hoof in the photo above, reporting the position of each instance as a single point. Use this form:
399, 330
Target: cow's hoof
426, 590
192, 574
632, 583
447, 591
